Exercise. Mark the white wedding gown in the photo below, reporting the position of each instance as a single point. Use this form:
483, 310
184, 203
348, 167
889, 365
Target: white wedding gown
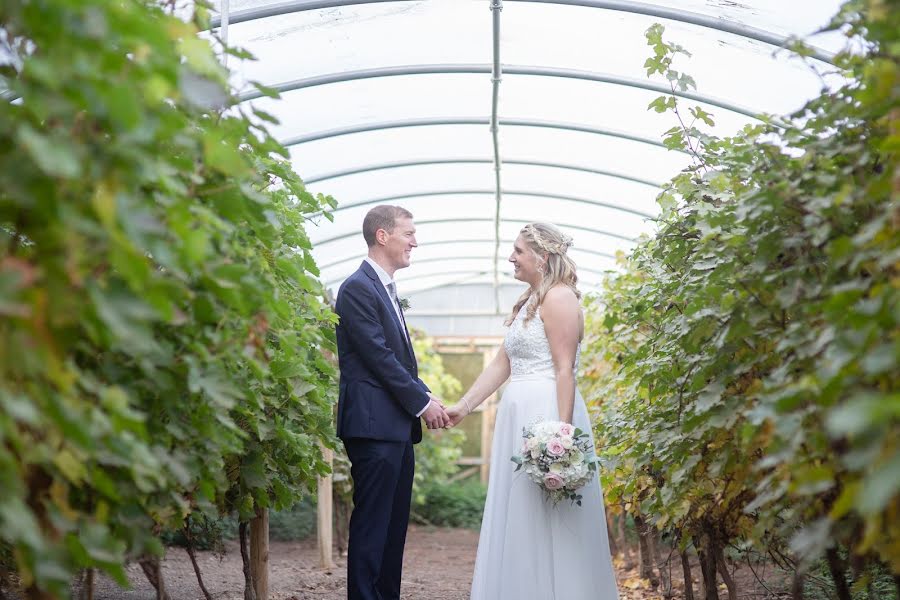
530, 549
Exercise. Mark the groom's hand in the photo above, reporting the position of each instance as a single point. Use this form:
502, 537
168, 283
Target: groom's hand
435, 416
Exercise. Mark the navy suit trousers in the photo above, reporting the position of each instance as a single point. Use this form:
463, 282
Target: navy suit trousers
382, 474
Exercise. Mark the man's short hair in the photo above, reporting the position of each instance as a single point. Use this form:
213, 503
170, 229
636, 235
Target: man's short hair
383, 216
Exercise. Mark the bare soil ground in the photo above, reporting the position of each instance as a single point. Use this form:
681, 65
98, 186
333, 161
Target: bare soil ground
438, 566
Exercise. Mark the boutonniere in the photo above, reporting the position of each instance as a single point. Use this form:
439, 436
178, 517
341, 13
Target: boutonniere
404, 304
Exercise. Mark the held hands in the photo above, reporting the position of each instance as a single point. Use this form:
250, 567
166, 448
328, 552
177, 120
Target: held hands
456, 414
435, 416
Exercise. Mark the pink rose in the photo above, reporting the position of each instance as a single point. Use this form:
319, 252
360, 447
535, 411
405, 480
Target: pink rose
567, 429
552, 481
555, 448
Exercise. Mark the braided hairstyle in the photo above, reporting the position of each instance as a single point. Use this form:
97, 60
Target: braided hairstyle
550, 246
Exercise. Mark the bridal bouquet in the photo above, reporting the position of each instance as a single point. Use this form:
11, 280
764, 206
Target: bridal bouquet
558, 457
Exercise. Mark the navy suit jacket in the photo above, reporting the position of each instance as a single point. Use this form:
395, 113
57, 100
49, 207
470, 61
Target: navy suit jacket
380, 389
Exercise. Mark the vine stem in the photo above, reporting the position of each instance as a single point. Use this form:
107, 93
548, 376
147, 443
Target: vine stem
695, 153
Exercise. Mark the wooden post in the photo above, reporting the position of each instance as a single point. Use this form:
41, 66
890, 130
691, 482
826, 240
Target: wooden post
325, 514
259, 553
488, 416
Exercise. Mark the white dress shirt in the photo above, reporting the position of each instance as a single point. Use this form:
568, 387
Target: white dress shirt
385, 280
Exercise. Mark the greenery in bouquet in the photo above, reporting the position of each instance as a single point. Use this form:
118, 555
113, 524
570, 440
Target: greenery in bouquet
559, 458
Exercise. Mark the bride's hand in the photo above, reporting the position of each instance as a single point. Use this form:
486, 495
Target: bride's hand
456, 413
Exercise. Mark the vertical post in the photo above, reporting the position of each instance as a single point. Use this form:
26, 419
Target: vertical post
487, 424
225, 13
325, 514
259, 553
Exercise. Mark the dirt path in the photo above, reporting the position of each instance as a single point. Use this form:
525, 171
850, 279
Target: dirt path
438, 566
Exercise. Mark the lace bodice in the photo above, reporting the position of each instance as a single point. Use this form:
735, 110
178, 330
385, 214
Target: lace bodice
528, 348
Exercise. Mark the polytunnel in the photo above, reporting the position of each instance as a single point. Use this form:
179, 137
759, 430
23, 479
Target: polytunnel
482, 115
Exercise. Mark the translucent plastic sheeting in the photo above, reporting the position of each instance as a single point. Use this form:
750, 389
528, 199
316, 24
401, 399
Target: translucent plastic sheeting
438, 312
574, 151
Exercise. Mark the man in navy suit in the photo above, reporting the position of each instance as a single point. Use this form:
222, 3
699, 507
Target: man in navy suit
380, 404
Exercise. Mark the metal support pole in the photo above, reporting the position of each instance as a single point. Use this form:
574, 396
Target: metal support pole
496, 73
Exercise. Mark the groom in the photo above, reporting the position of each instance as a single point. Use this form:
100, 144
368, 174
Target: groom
381, 401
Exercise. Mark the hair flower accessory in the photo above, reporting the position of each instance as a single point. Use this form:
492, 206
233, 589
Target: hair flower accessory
547, 246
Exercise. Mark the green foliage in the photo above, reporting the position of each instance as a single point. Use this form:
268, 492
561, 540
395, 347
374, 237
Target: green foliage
297, 522
436, 456
161, 325
873, 583
745, 366
453, 505
438, 452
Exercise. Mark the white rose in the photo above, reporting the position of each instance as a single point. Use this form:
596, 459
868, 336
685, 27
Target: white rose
567, 442
557, 468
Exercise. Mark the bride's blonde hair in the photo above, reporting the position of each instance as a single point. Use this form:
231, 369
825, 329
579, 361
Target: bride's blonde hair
558, 268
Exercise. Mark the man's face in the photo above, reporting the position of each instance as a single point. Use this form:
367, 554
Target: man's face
399, 243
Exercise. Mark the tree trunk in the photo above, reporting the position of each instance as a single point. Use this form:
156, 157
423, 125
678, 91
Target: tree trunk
244, 534
160, 582
152, 568
341, 523
726, 574
707, 568
34, 593
613, 546
664, 568
688, 578
646, 556
88, 593
620, 529
193, 556
797, 586
836, 566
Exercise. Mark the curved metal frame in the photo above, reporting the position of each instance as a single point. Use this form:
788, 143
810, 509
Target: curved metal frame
361, 256
390, 199
466, 280
672, 14
345, 236
335, 280
462, 281
435, 259
429, 122
475, 272
481, 257
477, 161
628, 6
449, 69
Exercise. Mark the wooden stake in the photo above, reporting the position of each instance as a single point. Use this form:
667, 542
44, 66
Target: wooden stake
487, 423
259, 553
325, 515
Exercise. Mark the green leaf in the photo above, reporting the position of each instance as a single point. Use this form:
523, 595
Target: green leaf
56, 157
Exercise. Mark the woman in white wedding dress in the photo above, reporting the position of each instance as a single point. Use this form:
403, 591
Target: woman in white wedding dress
530, 549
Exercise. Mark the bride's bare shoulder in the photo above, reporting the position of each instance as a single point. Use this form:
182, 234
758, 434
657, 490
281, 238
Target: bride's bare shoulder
560, 300
561, 294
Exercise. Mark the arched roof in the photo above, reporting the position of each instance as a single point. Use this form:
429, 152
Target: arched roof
482, 115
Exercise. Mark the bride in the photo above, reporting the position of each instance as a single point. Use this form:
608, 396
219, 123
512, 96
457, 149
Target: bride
530, 549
